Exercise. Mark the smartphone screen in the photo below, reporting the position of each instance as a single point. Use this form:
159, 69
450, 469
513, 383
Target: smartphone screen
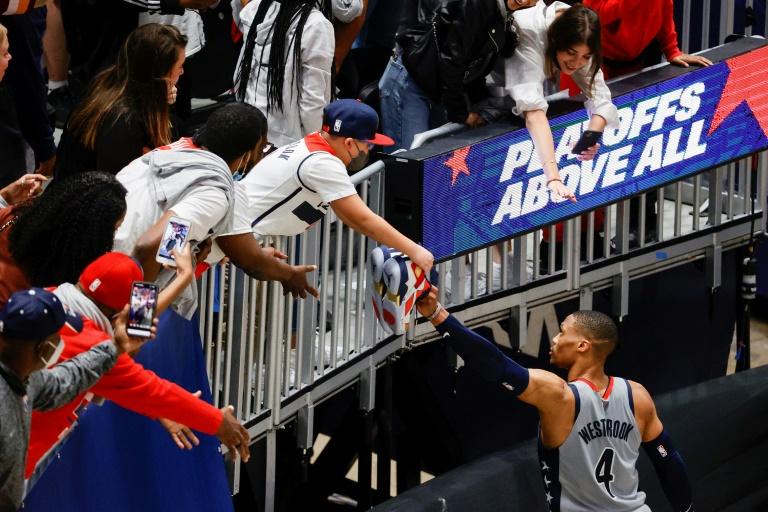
174, 237
142, 310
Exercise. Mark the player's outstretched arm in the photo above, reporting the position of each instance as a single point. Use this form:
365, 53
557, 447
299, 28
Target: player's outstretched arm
544, 390
669, 464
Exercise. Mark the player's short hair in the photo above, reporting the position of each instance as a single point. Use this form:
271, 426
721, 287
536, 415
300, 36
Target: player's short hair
597, 327
232, 130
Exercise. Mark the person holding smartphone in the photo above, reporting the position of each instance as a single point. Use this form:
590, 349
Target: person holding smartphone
30, 345
554, 40
105, 287
192, 179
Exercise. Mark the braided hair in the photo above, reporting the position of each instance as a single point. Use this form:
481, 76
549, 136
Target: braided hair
71, 224
289, 11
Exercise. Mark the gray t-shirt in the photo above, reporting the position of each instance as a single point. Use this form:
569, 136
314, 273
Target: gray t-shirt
594, 469
45, 390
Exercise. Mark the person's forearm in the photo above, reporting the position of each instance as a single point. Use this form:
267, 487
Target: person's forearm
170, 292
375, 227
62, 383
481, 355
538, 126
671, 471
597, 123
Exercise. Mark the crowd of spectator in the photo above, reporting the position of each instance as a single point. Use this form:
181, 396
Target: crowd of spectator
82, 219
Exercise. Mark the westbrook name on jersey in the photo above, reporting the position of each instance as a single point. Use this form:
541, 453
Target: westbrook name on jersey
594, 469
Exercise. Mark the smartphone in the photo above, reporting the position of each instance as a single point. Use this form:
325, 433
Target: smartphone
143, 306
588, 139
174, 238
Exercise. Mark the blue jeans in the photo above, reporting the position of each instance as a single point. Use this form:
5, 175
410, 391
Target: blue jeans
405, 109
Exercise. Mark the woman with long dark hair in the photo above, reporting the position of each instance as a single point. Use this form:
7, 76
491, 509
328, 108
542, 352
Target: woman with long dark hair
285, 67
50, 240
125, 112
552, 40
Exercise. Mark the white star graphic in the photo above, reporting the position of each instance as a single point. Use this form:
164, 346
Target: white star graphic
549, 498
544, 466
547, 481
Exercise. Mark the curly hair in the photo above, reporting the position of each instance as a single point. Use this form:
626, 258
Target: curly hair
71, 224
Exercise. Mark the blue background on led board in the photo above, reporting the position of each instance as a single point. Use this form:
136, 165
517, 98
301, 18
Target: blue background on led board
458, 218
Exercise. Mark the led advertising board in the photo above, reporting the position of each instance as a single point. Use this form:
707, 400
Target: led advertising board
495, 189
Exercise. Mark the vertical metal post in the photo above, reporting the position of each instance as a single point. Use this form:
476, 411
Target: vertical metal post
519, 261
696, 201
620, 293
607, 233
586, 298
473, 273
489, 270
591, 237
642, 221
715, 196
336, 294
324, 291
726, 19
536, 255
678, 208
251, 383
705, 17
348, 269
660, 215
271, 462
686, 28
622, 226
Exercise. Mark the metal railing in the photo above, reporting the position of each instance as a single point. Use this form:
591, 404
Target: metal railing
275, 358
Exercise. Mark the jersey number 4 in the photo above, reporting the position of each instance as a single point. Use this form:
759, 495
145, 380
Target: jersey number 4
603, 474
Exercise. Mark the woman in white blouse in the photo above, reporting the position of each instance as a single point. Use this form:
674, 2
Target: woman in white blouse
557, 39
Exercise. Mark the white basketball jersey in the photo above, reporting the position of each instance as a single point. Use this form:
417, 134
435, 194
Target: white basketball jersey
594, 469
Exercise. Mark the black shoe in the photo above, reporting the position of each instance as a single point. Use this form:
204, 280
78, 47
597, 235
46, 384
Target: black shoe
61, 100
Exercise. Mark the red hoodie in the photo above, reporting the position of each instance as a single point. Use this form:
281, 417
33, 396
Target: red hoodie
629, 26
127, 384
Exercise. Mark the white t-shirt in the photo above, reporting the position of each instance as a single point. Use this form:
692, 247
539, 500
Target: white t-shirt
525, 69
291, 189
204, 208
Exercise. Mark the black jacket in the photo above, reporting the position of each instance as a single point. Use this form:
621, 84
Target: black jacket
470, 35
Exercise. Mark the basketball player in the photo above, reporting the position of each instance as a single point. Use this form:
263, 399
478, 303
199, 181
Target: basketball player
591, 427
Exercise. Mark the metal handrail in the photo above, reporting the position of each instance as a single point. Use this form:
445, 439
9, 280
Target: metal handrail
276, 358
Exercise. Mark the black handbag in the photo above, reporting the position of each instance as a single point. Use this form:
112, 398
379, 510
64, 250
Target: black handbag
419, 45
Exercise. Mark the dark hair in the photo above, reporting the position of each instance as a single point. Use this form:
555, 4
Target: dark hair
134, 86
232, 130
596, 326
289, 10
576, 25
71, 224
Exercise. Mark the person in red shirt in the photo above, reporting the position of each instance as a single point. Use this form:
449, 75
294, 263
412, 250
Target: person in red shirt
629, 27
104, 289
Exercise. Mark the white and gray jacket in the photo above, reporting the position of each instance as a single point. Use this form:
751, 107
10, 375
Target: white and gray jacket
302, 114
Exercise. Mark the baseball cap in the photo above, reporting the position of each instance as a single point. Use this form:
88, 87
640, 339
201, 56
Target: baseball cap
108, 279
352, 118
35, 314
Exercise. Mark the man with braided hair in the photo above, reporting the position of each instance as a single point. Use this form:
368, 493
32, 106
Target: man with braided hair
591, 427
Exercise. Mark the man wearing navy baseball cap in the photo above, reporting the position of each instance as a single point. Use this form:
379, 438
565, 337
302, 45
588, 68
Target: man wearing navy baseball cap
293, 187
29, 341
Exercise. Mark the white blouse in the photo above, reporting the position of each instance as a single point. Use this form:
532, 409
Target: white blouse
524, 71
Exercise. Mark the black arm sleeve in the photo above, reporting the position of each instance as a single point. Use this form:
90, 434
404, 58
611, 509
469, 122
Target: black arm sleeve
672, 472
483, 357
